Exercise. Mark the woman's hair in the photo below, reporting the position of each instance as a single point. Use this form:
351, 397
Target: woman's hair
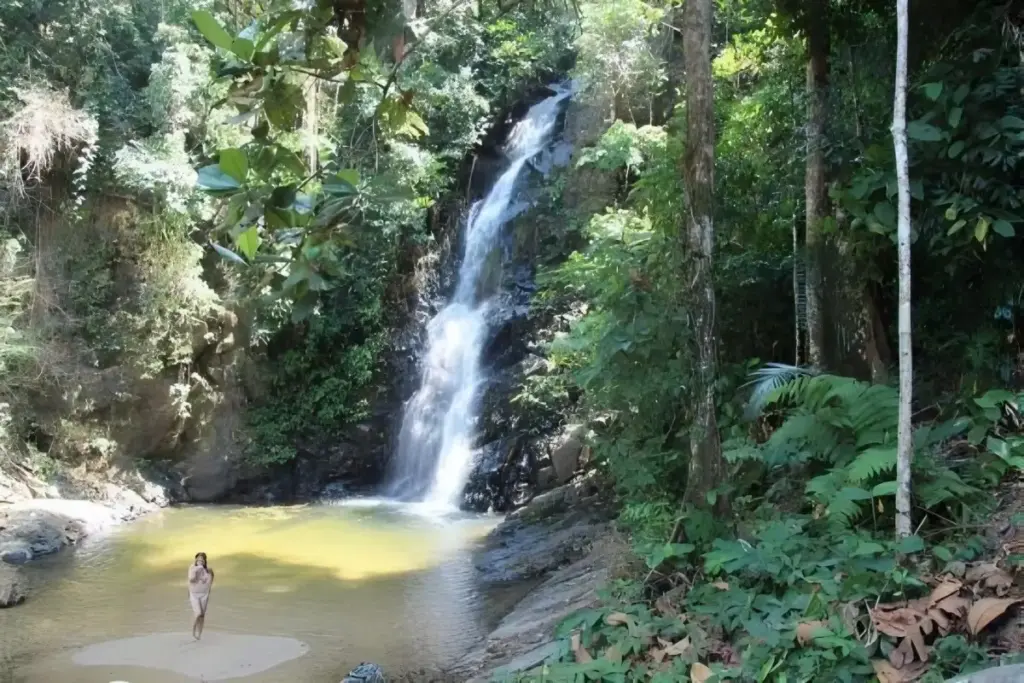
202, 555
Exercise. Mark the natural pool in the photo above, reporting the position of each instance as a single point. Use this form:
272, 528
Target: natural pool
303, 593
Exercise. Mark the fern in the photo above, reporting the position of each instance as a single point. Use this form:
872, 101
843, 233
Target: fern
850, 426
870, 463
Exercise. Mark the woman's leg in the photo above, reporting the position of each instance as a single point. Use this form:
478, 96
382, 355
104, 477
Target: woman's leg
197, 611
201, 619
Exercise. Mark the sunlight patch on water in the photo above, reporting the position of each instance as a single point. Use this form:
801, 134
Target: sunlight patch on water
349, 547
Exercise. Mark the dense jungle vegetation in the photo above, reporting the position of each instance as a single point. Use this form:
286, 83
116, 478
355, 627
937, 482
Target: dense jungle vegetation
733, 298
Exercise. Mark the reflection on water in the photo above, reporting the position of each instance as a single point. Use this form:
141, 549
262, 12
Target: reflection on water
356, 583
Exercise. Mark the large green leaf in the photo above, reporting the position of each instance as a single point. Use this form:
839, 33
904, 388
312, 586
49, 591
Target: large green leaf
244, 48
213, 179
925, 132
249, 242
932, 90
1003, 228
234, 163
212, 30
343, 182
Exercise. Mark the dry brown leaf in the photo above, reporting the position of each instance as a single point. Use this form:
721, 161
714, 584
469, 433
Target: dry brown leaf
617, 619
913, 647
896, 619
805, 631
699, 673
613, 654
944, 590
990, 576
582, 656
887, 673
657, 654
987, 610
721, 585
678, 649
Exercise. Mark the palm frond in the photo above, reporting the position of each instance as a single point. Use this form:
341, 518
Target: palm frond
767, 381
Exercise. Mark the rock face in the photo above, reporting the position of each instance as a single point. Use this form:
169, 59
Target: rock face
563, 539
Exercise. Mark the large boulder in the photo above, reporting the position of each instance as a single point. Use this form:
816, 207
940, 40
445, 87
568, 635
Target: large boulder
565, 454
28, 534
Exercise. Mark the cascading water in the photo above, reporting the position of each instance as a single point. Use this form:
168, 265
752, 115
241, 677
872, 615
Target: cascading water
435, 444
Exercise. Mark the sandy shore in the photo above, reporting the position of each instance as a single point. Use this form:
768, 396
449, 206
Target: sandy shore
217, 657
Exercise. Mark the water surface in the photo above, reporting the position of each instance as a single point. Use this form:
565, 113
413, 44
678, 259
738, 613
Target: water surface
353, 583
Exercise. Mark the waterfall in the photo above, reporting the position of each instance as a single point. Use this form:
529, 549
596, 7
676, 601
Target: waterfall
435, 444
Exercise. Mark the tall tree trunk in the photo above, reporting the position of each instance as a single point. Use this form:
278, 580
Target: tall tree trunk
905, 446
815, 189
707, 467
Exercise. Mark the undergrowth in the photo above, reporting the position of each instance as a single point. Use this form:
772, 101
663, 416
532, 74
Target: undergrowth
805, 582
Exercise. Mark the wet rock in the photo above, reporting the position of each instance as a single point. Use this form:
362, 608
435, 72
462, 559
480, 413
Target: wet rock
11, 593
546, 478
525, 639
501, 479
365, 673
555, 529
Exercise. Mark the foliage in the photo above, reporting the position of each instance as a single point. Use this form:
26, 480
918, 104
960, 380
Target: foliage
619, 60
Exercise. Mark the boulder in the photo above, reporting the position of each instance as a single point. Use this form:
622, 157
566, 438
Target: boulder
565, 456
27, 534
365, 673
11, 593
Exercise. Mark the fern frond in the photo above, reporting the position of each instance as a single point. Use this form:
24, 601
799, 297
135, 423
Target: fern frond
870, 463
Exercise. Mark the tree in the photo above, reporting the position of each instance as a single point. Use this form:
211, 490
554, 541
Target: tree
815, 189
707, 466
905, 444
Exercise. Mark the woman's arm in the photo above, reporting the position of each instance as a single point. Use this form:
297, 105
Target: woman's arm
193, 574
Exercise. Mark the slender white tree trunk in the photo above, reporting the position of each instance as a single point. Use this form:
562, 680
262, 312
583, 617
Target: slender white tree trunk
905, 447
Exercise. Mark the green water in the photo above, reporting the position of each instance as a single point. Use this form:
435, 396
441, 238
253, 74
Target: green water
363, 583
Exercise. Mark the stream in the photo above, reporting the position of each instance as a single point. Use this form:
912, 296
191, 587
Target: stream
324, 587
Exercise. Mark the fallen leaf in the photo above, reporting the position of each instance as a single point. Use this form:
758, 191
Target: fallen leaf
990, 576
887, 673
613, 654
699, 673
680, 648
657, 654
582, 656
617, 619
805, 631
944, 590
987, 610
721, 585
895, 620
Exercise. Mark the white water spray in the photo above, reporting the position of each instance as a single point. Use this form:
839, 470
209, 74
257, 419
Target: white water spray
435, 445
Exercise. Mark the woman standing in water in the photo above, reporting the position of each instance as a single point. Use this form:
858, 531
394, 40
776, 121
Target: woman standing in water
200, 581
